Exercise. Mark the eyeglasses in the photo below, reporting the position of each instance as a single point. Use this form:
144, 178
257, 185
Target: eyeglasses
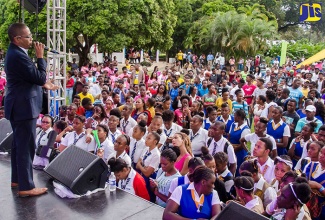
45, 122
29, 36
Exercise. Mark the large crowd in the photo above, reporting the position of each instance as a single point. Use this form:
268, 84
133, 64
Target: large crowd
200, 133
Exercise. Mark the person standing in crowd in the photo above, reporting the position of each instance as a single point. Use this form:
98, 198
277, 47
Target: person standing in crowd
137, 76
195, 200
244, 186
23, 104
160, 186
260, 131
226, 117
296, 93
262, 189
262, 149
279, 130
217, 143
198, 135
238, 130
310, 117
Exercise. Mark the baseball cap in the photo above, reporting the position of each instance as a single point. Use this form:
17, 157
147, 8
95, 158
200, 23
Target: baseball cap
311, 108
177, 74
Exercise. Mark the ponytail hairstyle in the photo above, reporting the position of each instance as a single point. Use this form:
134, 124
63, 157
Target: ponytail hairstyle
171, 154
195, 162
246, 183
249, 166
117, 164
201, 173
312, 126
206, 156
156, 135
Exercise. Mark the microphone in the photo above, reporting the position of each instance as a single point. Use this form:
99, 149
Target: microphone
51, 50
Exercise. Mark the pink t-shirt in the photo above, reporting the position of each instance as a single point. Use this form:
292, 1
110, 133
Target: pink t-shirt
3, 83
248, 90
179, 164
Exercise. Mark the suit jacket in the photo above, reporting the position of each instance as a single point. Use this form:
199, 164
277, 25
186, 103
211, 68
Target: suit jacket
24, 85
140, 77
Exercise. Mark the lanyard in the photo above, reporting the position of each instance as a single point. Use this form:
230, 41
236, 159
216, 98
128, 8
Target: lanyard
124, 125
39, 140
146, 156
126, 183
168, 134
198, 204
77, 139
193, 136
113, 138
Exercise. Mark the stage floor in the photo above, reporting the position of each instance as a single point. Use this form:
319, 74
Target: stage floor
102, 205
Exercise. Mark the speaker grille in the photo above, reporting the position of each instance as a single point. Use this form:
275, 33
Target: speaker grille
70, 164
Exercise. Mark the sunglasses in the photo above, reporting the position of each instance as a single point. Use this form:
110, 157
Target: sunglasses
45, 122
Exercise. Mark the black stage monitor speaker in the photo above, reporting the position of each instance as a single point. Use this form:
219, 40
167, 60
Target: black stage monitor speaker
78, 170
31, 5
235, 211
5, 135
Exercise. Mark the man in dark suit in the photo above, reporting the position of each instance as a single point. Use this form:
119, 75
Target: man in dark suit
23, 104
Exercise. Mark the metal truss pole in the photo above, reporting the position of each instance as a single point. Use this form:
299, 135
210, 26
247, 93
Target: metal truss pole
56, 39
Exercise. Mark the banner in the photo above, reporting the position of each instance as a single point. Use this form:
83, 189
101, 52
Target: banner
283, 52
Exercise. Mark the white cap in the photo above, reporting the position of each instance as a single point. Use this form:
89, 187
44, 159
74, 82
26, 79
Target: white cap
177, 73
311, 108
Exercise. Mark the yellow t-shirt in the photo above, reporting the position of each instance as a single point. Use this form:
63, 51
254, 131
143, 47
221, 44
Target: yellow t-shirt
219, 102
128, 66
180, 81
88, 95
180, 56
305, 91
136, 80
152, 111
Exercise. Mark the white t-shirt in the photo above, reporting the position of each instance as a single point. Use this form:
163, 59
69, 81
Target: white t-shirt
127, 125
140, 145
220, 147
253, 138
174, 183
268, 169
198, 140
153, 158
113, 136
177, 195
42, 138
108, 147
265, 111
123, 156
164, 184
80, 140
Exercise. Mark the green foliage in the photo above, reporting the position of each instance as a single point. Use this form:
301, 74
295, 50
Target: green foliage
297, 49
231, 33
111, 24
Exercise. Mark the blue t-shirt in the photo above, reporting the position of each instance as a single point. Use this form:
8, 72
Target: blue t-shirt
296, 94
202, 92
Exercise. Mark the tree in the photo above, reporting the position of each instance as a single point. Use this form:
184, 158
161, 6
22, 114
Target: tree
111, 24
